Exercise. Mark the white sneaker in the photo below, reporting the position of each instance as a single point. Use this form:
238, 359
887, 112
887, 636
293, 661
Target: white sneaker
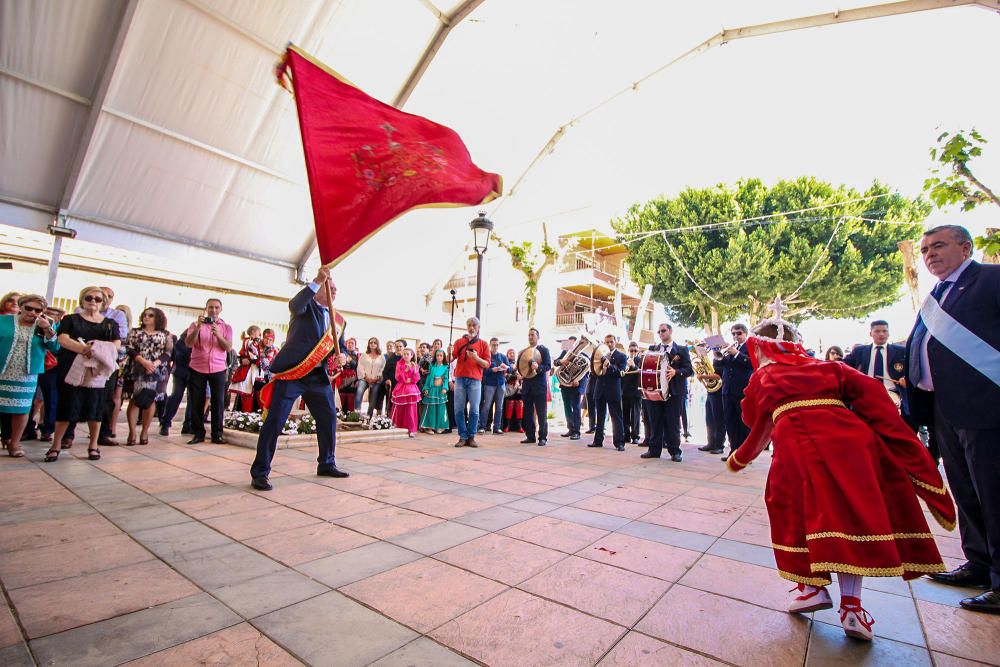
856, 621
808, 599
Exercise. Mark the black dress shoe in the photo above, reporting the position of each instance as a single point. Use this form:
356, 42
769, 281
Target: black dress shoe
988, 602
261, 484
565, 435
620, 448
725, 457
185, 431
591, 430
706, 448
716, 451
575, 436
219, 441
595, 444
543, 442
164, 430
964, 575
676, 458
331, 472
196, 440
648, 455
528, 441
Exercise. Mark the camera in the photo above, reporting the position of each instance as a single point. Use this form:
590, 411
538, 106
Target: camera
208, 320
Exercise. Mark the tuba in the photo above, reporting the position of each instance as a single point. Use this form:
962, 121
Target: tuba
524, 359
703, 365
574, 365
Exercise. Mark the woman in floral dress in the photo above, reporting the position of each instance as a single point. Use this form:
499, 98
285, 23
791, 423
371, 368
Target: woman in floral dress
148, 348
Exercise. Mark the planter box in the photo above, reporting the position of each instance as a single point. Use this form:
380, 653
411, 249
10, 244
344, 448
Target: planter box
249, 440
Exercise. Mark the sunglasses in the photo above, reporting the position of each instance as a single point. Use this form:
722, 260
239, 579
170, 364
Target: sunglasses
149, 314
664, 330
93, 299
31, 309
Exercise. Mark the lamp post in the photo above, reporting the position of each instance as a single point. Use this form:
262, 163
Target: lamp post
481, 228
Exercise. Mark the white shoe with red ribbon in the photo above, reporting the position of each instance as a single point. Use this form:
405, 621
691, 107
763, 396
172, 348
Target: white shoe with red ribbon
856, 621
808, 598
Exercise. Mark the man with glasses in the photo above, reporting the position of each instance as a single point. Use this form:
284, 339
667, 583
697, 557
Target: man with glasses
665, 416
736, 369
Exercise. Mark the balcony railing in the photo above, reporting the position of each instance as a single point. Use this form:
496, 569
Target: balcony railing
457, 283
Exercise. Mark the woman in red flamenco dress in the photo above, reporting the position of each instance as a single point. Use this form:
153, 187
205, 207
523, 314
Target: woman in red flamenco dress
846, 474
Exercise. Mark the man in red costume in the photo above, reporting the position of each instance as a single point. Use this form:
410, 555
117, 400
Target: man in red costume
842, 492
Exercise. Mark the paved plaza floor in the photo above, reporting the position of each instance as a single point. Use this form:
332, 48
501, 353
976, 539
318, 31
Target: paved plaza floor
428, 555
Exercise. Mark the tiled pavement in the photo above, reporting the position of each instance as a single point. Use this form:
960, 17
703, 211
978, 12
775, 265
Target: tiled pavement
428, 555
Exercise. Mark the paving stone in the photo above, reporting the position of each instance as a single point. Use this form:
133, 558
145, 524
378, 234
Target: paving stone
331, 630
437, 538
495, 518
226, 565
361, 563
16, 655
747, 553
895, 616
135, 635
423, 651
501, 558
830, 647
267, 593
672, 536
146, 517
638, 649
589, 518
239, 645
171, 542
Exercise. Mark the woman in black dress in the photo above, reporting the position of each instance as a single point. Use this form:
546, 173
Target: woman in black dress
77, 332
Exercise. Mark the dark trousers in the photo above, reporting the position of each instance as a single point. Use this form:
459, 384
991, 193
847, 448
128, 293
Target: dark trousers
665, 422
591, 405
196, 400
173, 403
107, 428
451, 409
316, 391
715, 420
647, 430
491, 408
631, 415
48, 383
571, 398
972, 463
609, 402
736, 430
684, 417
534, 407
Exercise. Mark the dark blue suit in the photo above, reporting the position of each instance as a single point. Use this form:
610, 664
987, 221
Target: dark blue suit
608, 395
860, 359
735, 371
665, 416
534, 392
306, 328
963, 409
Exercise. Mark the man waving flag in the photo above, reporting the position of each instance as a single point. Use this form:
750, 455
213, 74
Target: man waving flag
369, 162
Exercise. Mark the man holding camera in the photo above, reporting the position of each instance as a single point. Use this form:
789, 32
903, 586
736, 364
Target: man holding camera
210, 339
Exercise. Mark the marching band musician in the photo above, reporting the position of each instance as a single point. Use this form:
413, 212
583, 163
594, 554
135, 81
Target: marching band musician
631, 396
533, 389
572, 394
608, 395
736, 370
665, 416
715, 416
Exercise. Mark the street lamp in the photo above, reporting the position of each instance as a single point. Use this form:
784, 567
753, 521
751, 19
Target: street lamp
481, 228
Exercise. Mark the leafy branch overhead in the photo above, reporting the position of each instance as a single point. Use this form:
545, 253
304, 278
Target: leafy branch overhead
953, 181
531, 263
840, 260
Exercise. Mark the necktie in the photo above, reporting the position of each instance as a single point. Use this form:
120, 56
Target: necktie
879, 363
920, 331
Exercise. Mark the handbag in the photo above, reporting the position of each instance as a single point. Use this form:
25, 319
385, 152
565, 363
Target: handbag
50, 361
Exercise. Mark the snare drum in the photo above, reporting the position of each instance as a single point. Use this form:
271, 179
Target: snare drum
653, 381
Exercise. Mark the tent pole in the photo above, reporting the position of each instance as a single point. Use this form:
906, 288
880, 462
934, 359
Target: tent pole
50, 287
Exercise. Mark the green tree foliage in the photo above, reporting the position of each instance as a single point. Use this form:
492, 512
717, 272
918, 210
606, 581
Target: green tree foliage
743, 266
953, 182
532, 263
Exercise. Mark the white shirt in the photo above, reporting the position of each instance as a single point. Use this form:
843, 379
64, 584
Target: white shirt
886, 382
926, 381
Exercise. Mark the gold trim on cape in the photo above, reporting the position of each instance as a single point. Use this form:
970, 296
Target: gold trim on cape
869, 538
781, 409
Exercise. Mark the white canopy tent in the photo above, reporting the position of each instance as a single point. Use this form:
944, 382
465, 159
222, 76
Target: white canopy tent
156, 125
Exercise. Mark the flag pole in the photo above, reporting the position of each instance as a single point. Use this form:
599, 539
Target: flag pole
333, 315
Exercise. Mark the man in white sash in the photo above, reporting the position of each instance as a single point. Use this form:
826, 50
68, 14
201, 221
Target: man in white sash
953, 379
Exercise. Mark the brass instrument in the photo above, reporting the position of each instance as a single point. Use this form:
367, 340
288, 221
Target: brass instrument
524, 359
574, 365
702, 365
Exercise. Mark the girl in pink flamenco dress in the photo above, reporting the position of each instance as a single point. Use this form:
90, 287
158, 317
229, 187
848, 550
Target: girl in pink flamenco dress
406, 394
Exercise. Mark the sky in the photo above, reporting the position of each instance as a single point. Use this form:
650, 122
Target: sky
848, 103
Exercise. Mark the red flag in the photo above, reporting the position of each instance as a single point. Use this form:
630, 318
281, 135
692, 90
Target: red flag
369, 163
